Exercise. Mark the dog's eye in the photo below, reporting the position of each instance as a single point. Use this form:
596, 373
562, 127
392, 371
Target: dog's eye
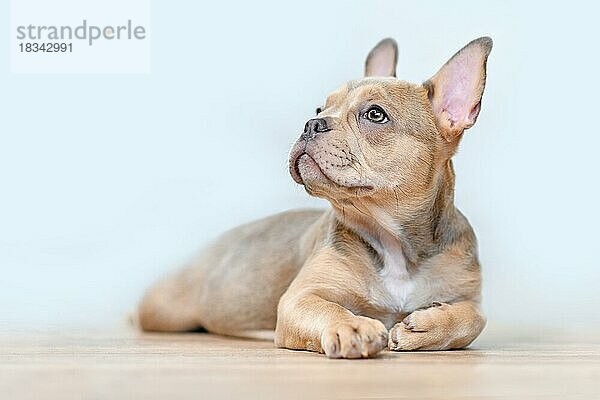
376, 114
318, 110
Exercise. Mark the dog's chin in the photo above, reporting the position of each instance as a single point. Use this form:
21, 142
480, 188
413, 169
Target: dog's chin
306, 171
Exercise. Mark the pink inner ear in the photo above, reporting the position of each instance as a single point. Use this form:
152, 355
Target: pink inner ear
380, 67
458, 86
382, 62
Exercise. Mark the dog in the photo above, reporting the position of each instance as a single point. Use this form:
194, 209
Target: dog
392, 263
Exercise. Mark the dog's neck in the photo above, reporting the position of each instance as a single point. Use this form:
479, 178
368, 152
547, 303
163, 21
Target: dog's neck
398, 225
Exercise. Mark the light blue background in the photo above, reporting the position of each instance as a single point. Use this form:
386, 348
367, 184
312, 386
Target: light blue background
109, 181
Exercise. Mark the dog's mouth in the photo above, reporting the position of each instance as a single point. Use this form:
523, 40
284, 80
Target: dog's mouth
308, 164
305, 167
295, 171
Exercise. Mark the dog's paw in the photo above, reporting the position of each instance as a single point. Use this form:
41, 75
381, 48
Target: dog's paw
421, 330
362, 337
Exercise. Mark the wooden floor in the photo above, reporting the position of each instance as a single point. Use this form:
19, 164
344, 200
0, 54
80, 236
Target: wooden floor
129, 365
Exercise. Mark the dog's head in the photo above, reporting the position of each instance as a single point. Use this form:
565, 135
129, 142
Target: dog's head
380, 133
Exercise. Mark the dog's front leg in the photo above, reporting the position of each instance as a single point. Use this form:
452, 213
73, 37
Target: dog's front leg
311, 317
309, 322
439, 327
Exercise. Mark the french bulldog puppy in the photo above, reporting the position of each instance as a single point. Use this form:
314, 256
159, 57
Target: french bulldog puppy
392, 263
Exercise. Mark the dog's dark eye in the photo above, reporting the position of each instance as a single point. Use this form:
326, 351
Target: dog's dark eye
376, 114
318, 110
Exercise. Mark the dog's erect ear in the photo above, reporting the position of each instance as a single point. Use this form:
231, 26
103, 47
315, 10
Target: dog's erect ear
382, 60
455, 91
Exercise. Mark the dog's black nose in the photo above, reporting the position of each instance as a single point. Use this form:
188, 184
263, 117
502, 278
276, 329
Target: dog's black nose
314, 126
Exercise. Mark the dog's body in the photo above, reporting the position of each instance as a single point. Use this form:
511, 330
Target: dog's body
392, 253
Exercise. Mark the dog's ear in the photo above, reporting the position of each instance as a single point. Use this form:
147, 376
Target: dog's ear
455, 90
382, 60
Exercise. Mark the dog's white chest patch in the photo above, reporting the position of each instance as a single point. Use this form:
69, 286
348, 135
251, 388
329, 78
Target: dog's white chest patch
396, 281
396, 292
